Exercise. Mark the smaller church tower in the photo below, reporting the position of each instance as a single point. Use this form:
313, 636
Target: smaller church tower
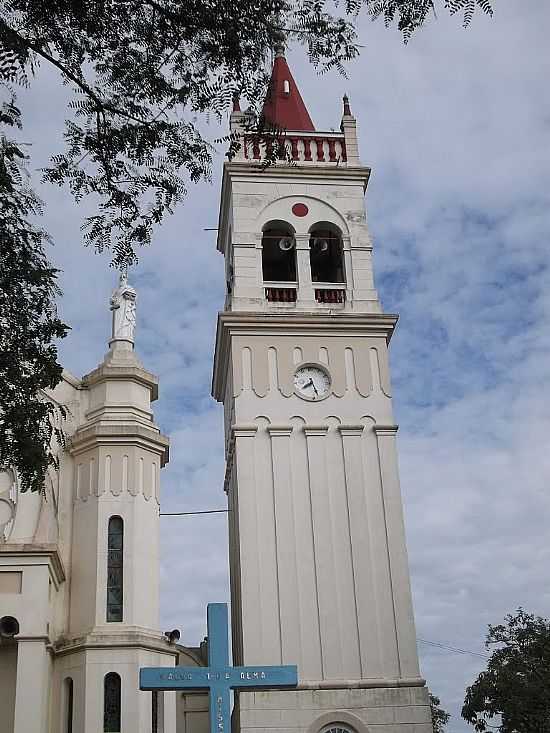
113, 618
319, 571
79, 561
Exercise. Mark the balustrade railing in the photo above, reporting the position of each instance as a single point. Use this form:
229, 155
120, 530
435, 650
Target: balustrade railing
330, 292
302, 147
276, 293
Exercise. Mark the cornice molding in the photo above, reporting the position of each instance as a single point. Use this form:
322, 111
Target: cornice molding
124, 638
124, 372
361, 684
350, 172
48, 552
232, 323
89, 436
315, 430
71, 379
244, 431
385, 429
279, 431
351, 429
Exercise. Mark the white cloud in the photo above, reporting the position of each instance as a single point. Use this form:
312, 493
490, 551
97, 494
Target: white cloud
455, 126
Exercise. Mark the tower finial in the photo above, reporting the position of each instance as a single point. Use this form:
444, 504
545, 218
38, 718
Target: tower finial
279, 44
347, 108
236, 102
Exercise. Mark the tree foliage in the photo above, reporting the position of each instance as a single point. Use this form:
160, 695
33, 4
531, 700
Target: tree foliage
144, 75
440, 717
145, 71
28, 323
513, 694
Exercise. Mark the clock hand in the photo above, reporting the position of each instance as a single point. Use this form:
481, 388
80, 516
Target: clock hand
310, 384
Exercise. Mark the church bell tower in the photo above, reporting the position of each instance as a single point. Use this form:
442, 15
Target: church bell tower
319, 570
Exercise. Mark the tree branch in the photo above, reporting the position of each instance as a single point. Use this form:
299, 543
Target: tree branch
100, 103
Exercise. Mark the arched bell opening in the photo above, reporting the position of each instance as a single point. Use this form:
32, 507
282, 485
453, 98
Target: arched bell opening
326, 254
278, 253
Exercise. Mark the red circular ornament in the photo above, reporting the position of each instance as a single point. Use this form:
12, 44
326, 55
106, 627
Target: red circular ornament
300, 210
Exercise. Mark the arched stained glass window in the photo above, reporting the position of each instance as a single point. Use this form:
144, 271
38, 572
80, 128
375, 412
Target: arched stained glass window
337, 728
115, 562
111, 703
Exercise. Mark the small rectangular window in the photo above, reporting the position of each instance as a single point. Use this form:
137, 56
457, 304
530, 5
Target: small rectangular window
10, 582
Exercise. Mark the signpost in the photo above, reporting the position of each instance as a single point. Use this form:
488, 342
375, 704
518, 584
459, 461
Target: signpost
219, 678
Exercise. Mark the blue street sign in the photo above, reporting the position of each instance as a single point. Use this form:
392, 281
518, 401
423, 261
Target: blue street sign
219, 678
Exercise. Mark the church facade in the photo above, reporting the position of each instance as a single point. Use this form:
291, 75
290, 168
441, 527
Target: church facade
318, 563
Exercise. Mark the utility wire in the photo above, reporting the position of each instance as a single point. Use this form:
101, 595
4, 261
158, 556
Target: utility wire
453, 648
187, 514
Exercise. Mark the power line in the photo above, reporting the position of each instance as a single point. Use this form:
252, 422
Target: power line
188, 514
453, 648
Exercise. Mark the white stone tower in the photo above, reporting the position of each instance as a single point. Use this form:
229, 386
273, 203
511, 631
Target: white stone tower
319, 571
79, 562
118, 452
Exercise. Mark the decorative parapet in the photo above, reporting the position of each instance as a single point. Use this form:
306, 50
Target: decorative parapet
300, 147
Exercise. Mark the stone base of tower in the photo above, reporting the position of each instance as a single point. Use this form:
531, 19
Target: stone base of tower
364, 710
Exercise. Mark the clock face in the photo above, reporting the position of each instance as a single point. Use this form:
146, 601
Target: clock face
312, 382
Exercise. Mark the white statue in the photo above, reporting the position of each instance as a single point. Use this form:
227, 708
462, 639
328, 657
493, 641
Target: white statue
123, 305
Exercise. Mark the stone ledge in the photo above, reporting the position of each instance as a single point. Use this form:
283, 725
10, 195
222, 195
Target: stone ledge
88, 436
232, 323
131, 637
346, 698
380, 710
48, 551
122, 371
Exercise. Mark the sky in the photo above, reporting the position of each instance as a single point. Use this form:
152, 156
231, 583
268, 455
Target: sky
455, 126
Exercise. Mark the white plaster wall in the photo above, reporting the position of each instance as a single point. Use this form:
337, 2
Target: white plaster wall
32, 695
135, 704
192, 713
84, 563
252, 199
317, 538
31, 607
382, 710
39, 547
141, 559
121, 480
73, 666
8, 678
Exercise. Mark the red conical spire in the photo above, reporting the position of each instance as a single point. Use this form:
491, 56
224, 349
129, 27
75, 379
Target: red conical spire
284, 106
